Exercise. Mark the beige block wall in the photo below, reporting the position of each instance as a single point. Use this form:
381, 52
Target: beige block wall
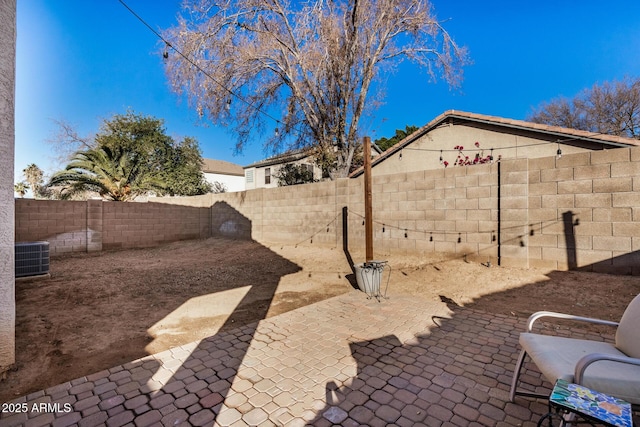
128, 225
62, 224
585, 220
94, 225
7, 215
237, 215
579, 211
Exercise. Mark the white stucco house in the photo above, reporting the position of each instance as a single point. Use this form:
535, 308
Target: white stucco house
263, 174
229, 174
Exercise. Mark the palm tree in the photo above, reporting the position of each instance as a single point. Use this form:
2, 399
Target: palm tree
34, 175
113, 173
21, 188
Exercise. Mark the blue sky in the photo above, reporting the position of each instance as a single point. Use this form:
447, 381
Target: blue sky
83, 61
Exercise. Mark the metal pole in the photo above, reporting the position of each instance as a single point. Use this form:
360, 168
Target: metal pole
368, 206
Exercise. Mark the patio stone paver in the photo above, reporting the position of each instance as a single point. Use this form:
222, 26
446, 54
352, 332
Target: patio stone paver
347, 360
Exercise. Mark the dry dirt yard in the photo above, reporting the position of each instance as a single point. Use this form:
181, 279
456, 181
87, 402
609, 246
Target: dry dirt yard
100, 310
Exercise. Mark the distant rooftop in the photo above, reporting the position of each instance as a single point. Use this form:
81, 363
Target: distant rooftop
461, 117
221, 167
286, 157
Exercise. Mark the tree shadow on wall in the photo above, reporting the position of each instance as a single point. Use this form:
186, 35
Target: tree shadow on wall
228, 222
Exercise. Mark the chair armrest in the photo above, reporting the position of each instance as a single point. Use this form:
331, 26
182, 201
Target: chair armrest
541, 314
587, 360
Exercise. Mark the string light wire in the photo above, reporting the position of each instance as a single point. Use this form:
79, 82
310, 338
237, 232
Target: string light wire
193, 63
278, 122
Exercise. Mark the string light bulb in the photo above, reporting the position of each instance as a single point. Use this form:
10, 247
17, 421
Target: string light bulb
165, 54
559, 152
491, 156
228, 105
277, 132
441, 160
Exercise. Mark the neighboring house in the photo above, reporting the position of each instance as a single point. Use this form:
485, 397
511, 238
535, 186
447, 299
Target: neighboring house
423, 149
263, 173
227, 173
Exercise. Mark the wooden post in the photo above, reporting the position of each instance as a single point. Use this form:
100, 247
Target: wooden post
368, 206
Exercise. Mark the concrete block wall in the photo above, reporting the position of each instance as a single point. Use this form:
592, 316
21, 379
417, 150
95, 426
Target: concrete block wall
62, 223
446, 210
514, 212
237, 215
301, 214
128, 225
584, 211
580, 211
93, 225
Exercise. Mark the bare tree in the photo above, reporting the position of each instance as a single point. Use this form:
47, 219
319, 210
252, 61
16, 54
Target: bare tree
67, 141
612, 108
303, 70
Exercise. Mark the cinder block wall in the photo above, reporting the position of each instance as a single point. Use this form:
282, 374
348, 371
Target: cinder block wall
446, 210
301, 214
79, 226
585, 211
127, 225
62, 223
579, 211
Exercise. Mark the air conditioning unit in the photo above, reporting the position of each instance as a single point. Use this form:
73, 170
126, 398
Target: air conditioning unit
32, 259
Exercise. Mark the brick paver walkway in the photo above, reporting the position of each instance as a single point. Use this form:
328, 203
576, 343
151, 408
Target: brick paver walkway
344, 361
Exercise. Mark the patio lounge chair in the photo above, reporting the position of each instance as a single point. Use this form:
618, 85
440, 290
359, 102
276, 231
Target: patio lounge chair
611, 368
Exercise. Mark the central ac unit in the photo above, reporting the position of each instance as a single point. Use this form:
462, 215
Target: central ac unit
32, 259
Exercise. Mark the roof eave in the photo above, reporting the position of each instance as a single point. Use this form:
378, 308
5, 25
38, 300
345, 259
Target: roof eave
449, 114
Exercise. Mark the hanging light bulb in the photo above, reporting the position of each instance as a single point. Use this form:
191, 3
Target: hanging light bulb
277, 132
491, 156
165, 54
559, 152
400, 154
441, 157
228, 106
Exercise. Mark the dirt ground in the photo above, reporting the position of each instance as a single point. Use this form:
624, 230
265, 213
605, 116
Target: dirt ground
100, 310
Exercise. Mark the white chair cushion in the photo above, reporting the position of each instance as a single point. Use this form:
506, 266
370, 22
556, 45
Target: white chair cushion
628, 333
556, 357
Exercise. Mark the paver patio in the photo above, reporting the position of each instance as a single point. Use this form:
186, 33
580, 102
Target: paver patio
347, 360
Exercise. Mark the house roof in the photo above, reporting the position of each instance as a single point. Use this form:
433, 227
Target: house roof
289, 156
565, 134
221, 167
294, 155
